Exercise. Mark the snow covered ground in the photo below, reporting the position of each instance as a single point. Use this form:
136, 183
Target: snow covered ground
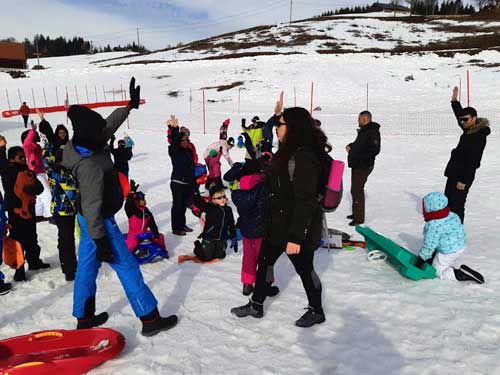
377, 322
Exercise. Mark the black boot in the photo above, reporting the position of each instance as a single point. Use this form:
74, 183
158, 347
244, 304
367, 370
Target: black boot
5, 288
311, 317
153, 323
273, 291
90, 320
38, 265
254, 309
465, 273
20, 274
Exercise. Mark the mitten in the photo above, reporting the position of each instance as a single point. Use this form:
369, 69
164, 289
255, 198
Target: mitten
135, 94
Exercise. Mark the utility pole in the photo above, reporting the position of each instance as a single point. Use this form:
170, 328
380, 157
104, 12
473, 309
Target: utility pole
37, 53
138, 42
291, 6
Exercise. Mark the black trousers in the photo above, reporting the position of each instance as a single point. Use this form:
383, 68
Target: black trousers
181, 195
304, 266
24, 232
25, 119
456, 198
359, 176
66, 243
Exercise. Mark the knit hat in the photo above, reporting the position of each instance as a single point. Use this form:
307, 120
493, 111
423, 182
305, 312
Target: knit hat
212, 153
87, 127
185, 130
121, 143
255, 118
230, 141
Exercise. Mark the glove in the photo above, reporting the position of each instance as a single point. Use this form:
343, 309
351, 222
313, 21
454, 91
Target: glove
243, 121
234, 245
133, 186
135, 94
241, 141
104, 253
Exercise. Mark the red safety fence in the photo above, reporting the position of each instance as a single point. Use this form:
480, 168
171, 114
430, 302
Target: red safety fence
64, 108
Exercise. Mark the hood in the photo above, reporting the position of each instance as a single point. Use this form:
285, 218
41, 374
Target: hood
88, 127
58, 142
250, 181
71, 157
435, 202
482, 125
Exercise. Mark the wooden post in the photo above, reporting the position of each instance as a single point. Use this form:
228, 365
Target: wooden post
57, 97
19, 94
77, 98
8, 100
204, 114
87, 92
95, 90
33, 94
104, 93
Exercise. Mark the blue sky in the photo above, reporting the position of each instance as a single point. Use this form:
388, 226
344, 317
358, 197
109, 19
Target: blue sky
160, 22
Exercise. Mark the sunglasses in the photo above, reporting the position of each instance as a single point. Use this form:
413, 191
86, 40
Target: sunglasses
220, 198
465, 119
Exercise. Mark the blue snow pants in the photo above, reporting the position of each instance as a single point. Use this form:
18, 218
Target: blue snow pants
126, 267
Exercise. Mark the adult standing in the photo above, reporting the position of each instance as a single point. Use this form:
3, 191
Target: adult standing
361, 160
296, 216
25, 112
182, 180
466, 157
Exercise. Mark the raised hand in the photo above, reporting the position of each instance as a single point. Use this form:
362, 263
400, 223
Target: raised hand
135, 94
278, 108
173, 121
454, 96
41, 115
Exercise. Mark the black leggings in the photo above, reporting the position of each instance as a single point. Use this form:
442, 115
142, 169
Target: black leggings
304, 266
181, 195
66, 243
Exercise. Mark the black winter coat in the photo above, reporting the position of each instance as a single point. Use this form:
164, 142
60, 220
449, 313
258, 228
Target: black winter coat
219, 221
365, 147
253, 209
466, 157
182, 160
9, 172
296, 214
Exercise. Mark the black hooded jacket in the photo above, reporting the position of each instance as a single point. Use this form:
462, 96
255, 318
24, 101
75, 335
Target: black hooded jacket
366, 147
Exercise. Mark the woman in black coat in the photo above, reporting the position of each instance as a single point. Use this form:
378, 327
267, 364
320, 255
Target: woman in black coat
295, 223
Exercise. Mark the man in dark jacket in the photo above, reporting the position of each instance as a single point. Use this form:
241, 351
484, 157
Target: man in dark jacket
361, 160
466, 157
121, 155
101, 197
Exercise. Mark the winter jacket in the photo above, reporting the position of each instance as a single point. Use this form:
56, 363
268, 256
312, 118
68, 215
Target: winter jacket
217, 146
466, 157
62, 184
34, 153
101, 195
365, 147
256, 132
121, 157
268, 129
10, 176
444, 235
253, 204
296, 214
213, 165
182, 160
25, 110
219, 220
140, 215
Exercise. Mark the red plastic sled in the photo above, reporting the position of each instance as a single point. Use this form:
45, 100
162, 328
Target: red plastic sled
59, 352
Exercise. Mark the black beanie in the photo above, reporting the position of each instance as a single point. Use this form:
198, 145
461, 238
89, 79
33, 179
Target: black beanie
87, 126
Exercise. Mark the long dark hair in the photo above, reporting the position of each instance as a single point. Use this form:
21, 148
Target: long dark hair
301, 132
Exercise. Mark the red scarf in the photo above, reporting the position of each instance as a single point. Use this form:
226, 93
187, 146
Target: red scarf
435, 215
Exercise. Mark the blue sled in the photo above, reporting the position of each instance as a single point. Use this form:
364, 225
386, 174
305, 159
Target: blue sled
147, 251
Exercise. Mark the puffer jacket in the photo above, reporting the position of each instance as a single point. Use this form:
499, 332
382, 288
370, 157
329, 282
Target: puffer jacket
34, 153
219, 222
296, 214
252, 203
366, 147
182, 160
445, 235
466, 157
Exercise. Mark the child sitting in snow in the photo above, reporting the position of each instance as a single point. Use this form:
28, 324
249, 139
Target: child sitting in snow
212, 158
219, 225
444, 240
140, 219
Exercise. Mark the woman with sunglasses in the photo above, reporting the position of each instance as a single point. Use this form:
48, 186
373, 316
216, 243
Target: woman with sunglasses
296, 217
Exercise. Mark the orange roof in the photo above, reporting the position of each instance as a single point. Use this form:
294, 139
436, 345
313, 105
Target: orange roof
12, 51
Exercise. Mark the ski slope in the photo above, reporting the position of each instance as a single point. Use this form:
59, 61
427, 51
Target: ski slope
377, 322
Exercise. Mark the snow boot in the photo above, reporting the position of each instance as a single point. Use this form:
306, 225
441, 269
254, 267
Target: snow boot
38, 265
5, 288
187, 229
153, 323
311, 317
273, 291
247, 289
90, 320
251, 308
20, 274
465, 273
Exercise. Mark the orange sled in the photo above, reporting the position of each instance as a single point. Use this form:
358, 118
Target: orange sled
12, 251
59, 352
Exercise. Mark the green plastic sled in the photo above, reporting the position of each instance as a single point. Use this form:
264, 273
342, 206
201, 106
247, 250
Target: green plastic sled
402, 259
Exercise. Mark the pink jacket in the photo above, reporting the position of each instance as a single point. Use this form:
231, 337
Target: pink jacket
34, 153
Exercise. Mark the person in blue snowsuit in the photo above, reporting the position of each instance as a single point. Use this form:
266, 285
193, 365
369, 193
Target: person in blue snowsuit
101, 197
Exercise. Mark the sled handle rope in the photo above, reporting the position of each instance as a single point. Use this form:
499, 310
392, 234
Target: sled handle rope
376, 256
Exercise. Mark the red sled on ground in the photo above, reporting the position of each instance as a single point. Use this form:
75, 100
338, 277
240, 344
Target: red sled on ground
59, 352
